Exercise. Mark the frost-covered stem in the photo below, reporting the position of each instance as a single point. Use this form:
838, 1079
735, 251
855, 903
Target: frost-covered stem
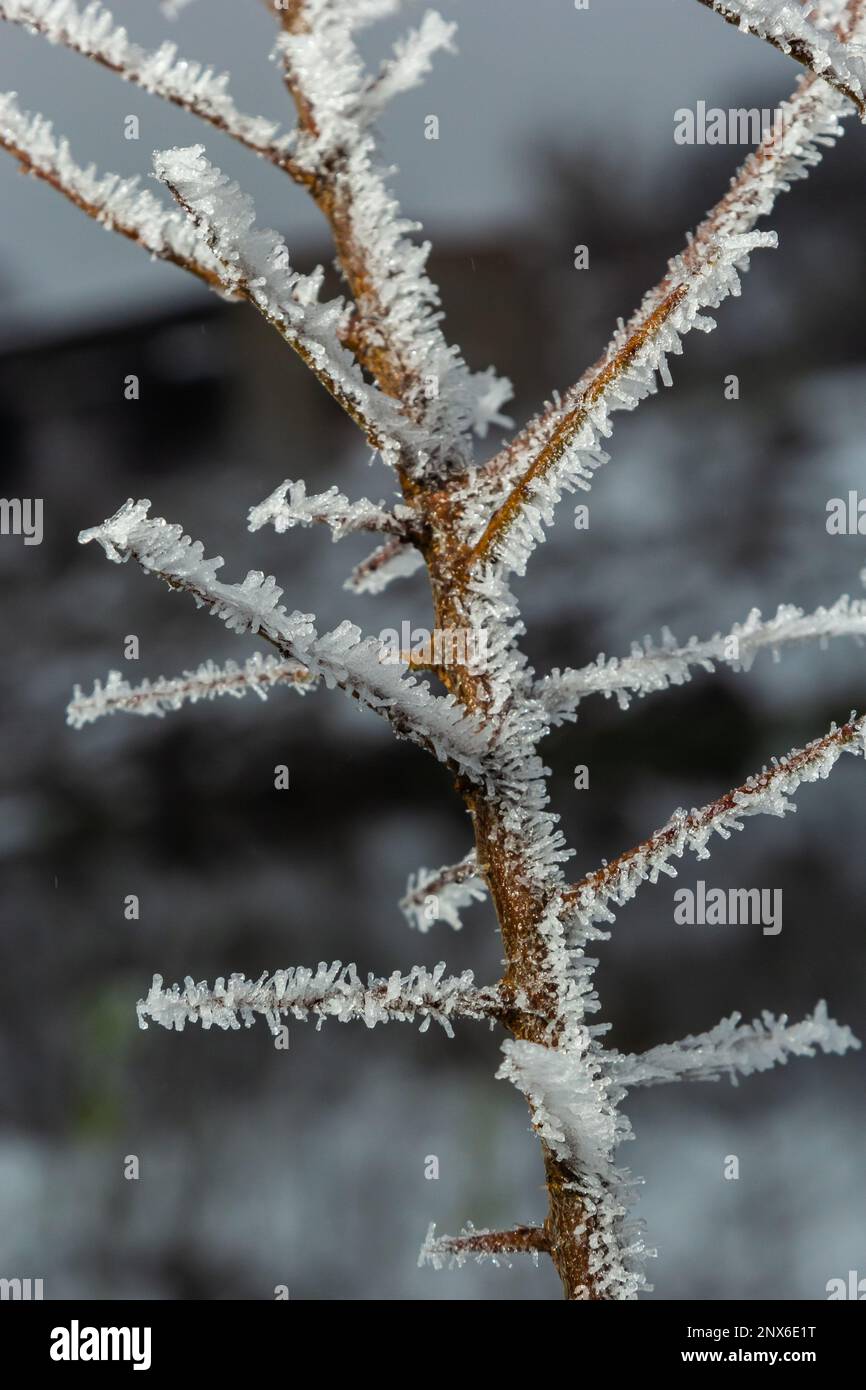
330, 991
258, 675
290, 15
332, 195
290, 505
308, 354
394, 559
810, 48
527, 978
445, 891
480, 1245
108, 217
529, 987
650, 667
768, 791
570, 427
734, 1048
568, 1230
179, 82
529, 991
810, 119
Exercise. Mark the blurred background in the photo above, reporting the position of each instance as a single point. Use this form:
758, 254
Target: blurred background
307, 1168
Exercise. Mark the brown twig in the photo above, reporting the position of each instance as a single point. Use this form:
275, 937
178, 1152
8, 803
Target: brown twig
115, 224
735, 203
395, 377
800, 50
570, 427
602, 882
243, 289
520, 1240
191, 106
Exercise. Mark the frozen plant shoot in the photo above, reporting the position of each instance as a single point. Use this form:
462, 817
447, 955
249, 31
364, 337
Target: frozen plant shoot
472, 516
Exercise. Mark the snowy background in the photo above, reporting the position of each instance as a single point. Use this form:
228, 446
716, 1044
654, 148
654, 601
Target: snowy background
307, 1168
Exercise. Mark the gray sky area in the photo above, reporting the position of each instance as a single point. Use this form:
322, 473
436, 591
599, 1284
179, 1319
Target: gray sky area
608, 78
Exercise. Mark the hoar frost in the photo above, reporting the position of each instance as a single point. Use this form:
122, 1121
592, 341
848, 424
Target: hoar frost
382, 354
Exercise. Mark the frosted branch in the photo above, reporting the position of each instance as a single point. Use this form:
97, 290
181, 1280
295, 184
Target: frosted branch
256, 263
412, 60
115, 202
341, 658
574, 1111
395, 327
471, 1244
809, 122
651, 667
260, 674
394, 560
289, 505
767, 793
783, 24
573, 449
93, 32
330, 991
734, 1048
383, 356
440, 895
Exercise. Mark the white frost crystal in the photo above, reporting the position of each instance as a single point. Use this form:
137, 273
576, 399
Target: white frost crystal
767, 793
330, 991
789, 24
734, 1048
700, 287
441, 895
259, 674
650, 667
116, 202
290, 505
93, 32
255, 262
342, 657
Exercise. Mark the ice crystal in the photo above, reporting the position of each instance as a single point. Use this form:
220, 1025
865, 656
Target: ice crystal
259, 674
342, 657
650, 667
116, 202
441, 895
734, 1048
330, 991
788, 25
93, 32
289, 505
